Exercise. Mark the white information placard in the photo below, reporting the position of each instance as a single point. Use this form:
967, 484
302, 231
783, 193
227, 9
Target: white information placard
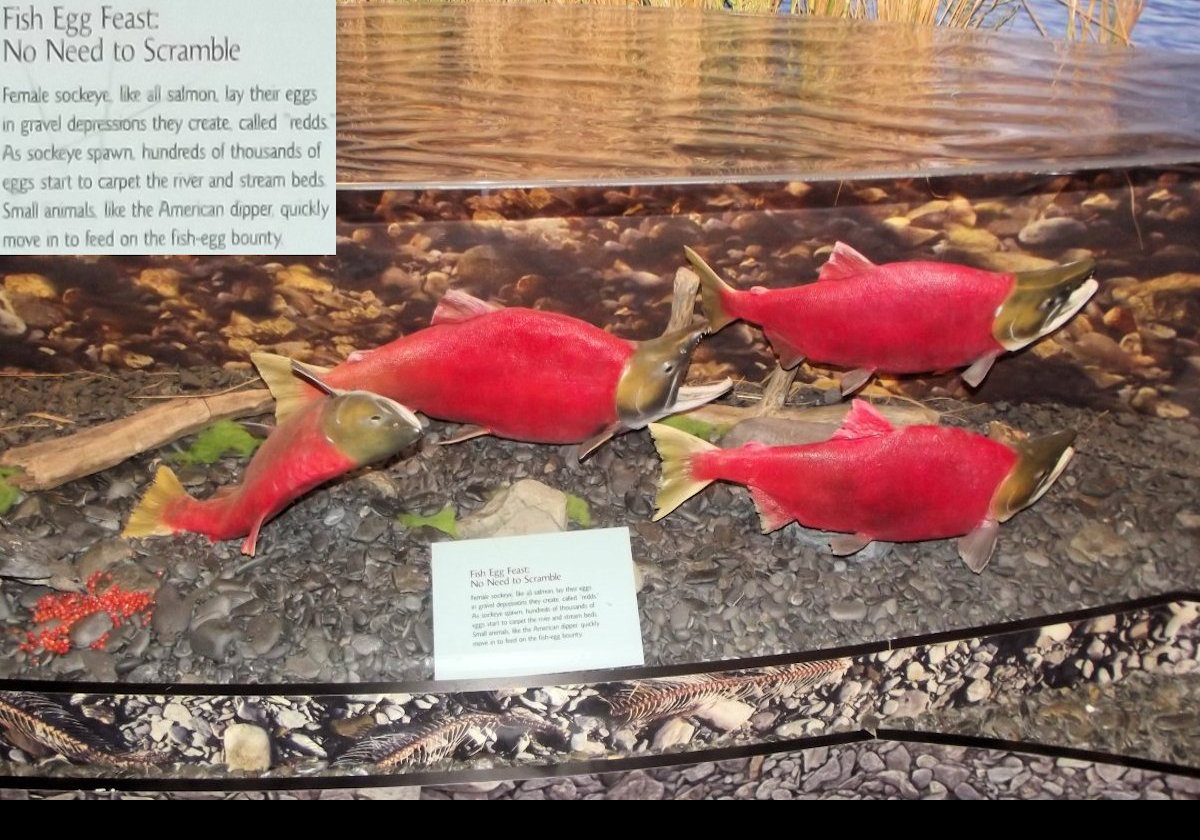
148, 127
537, 604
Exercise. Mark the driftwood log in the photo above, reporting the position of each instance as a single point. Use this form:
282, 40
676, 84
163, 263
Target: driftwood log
49, 463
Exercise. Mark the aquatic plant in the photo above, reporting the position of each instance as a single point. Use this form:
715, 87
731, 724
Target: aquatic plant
694, 427
60, 612
218, 440
578, 511
8, 493
444, 520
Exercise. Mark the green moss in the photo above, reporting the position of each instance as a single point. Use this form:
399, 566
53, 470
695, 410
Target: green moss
699, 428
444, 520
8, 493
578, 511
219, 439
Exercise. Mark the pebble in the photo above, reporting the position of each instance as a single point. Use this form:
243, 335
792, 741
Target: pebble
1052, 231
212, 639
172, 613
264, 632
90, 629
370, 528
675, 732
247, 748
850, 609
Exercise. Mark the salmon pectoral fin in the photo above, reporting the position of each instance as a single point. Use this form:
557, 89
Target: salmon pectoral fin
678, 484
788, 355
855, 379
976, 548
845, 544
251, 543
290, 391
771, 514
978, 370
465, 433
149, 517
597, 440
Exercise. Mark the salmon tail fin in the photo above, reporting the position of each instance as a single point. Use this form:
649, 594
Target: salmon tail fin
714, 293
290, 391
148, 518
677, 450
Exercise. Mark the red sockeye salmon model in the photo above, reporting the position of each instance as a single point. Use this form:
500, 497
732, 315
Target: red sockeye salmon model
522, 374
323, 440
873, 481
905, 317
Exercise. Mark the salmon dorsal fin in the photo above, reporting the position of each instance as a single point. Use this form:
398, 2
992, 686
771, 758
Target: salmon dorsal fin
844, 262
457, 306
863, 420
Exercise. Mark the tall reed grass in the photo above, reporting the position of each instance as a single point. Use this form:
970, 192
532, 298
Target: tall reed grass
1103, 21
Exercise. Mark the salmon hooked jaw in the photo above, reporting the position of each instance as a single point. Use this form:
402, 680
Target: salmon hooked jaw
651, 386
1041, 301
1040, 461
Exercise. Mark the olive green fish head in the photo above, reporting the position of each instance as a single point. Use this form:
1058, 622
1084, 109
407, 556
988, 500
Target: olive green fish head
1040, 461
367, 427
649, 388
1041, 301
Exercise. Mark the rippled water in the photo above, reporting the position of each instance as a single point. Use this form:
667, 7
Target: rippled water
1164, 24
478, 94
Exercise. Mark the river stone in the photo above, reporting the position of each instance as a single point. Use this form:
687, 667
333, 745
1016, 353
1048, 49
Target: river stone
674, 733
526, 507
848, 609
1059, 230
247, 748
88, 630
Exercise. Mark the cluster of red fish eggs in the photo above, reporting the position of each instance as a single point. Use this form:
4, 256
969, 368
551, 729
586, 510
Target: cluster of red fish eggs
67, 609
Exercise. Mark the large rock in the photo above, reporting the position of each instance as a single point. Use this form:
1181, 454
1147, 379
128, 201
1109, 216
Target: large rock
247, 748
526, 507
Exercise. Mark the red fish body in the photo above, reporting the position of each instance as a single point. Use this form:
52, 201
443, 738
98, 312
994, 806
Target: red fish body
522, 374
917, 483
874, 481
294, 459
906, 317
323, 440
911, 317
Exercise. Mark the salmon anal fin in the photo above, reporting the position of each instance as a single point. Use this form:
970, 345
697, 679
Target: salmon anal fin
251, 543
771, 514
844, 262
457, 306
855, 379
978, 370
788, 355
465, 433
976, 548
844, 544
863, 420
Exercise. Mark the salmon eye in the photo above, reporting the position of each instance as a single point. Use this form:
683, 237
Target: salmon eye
376, 418
669, 367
